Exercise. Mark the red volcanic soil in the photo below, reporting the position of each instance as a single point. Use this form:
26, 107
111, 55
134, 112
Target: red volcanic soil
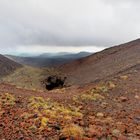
7, 66
103, 64
103, 103
110, 110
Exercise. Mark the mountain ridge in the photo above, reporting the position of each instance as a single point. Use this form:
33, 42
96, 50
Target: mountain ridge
104, 63
48, 60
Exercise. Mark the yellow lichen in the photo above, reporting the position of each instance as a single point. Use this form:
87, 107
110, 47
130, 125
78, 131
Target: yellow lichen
52, 111
7, 99
44, 121
72, 131
100, 89
111, 85
124, 77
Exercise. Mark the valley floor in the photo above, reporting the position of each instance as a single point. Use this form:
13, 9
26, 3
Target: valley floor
108, 110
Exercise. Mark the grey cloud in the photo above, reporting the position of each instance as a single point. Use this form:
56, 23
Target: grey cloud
63, 22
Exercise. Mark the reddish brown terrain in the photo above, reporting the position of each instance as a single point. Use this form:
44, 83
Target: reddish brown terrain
103, 64
108, 109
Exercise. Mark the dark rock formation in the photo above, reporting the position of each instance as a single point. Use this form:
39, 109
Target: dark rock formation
54, 81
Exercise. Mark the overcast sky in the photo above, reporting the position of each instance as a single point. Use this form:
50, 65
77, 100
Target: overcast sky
67, 25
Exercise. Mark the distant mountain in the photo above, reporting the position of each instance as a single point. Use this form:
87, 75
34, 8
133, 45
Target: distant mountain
52, 55
48, 59
65, 55
103, 64
7, 66
27, 55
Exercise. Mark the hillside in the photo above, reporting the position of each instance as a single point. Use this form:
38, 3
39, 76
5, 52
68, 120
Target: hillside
25, 78
103, 64
7, 66
30, 78
106, 110
102, 104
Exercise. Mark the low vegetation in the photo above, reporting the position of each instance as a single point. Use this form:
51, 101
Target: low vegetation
69, 113
52, 115
7, 99
25, 77
96, 94
36, 79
